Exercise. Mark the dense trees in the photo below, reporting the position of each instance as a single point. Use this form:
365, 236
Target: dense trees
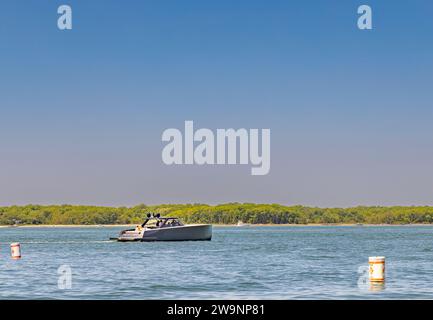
228, 213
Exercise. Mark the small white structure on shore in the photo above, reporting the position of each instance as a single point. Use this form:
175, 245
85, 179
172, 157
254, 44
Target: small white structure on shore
241, 224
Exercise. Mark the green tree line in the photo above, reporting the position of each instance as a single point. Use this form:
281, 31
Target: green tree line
229, 213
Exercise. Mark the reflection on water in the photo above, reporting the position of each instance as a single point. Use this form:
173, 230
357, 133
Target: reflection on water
377, 286
255, 262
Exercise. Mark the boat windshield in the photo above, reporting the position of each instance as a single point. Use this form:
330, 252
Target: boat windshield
172, 223
162, 222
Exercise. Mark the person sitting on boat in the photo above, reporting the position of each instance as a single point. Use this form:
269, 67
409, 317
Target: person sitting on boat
175, 223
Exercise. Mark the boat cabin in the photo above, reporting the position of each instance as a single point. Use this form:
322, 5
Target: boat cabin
154, 222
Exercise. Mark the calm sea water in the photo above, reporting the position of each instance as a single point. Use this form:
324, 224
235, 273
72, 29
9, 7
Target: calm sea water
239, 263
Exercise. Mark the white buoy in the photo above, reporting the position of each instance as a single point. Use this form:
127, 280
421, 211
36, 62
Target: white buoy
377, 269
16, 250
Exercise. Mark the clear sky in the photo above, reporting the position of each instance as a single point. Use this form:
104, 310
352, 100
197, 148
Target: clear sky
350, 111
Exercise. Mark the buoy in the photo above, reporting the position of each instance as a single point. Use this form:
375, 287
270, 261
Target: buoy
377, 269
16, 250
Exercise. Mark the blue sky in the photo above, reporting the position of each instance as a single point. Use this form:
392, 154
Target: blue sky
83, 111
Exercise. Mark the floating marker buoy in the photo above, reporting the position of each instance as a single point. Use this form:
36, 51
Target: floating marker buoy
16, 250
377, 269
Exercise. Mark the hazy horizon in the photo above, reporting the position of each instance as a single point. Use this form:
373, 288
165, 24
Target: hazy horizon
209, 204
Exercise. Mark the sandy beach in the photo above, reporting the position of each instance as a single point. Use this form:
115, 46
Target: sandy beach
218, 225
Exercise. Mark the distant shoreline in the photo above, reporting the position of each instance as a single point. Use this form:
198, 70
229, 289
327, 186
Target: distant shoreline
228, 213
217, 225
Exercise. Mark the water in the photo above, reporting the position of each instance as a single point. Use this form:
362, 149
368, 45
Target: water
239, 263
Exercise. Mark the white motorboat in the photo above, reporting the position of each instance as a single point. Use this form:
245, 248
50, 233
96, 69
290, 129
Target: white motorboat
157, 228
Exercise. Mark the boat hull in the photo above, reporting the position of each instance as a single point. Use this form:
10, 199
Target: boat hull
197, 232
